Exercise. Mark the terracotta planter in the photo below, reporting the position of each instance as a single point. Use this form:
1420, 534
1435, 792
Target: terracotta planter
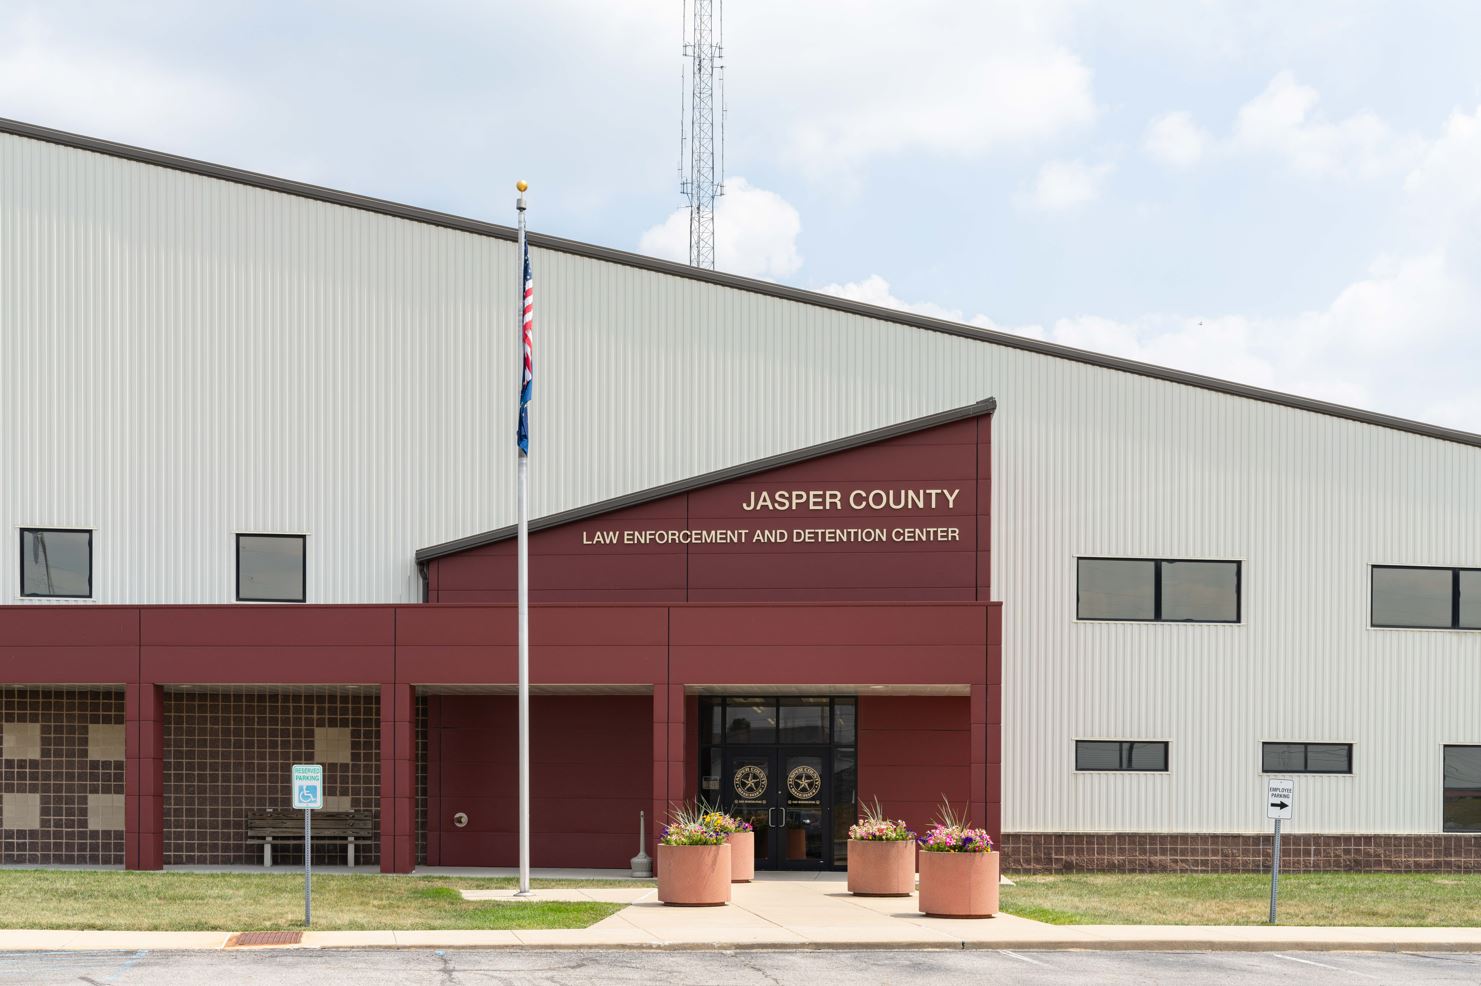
959, 884
742, 856
694, 876
881, 869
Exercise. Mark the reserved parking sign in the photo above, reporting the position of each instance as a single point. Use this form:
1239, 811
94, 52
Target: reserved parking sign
308, 786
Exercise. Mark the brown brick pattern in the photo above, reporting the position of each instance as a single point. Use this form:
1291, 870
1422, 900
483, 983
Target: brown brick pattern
1131, 852
228, 754
61, 781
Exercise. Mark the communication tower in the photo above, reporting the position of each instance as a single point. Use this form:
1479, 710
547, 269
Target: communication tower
701, 129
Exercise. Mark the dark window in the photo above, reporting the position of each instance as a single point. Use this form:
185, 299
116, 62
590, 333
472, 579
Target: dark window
1463, 789
56, 563
1306, 758
1158, 590
1426, 598
1117, 589
844, 718
270, 567
804, 720
1470, 598
1120, 755
750, 720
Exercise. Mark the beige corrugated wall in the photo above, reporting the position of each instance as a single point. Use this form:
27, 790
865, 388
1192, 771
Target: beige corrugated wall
183, 358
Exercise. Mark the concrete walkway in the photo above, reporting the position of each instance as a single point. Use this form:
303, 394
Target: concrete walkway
793, 911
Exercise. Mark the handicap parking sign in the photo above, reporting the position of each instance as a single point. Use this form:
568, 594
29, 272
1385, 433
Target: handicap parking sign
308, 786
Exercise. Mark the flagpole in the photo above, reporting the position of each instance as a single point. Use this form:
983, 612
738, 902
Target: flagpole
522, 495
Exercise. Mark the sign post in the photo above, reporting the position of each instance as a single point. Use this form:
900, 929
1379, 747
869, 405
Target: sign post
308, 794
1279, 795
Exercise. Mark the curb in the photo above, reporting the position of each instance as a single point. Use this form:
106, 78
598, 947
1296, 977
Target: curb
1025, 945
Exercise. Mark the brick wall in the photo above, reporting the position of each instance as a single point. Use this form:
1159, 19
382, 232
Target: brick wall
227, 754
1192, 853
61, 776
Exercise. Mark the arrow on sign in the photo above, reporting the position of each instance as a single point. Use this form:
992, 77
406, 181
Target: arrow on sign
1279, 804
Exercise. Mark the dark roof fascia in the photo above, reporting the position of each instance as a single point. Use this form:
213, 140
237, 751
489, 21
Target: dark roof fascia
727, 475
576, 248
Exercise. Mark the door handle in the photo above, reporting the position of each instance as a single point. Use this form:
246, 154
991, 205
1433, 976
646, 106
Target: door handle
771, 818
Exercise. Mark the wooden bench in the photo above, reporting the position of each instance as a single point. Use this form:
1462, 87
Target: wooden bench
286, 825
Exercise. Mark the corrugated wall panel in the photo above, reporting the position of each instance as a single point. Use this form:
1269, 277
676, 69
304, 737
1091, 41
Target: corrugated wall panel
183, 358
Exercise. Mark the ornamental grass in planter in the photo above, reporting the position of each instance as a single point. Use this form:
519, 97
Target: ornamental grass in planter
881, 855
742, 840
693, 862
958, 869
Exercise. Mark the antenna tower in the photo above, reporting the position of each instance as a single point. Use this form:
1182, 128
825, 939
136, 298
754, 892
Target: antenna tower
701, 132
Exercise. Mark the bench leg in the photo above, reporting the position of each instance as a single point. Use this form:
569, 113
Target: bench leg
267, 852
352, 852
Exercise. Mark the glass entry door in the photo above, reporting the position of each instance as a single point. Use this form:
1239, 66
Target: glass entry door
788, 765
802, 838
784, 794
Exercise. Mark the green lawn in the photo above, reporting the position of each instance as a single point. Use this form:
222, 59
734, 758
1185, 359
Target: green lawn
274, 902
1355, 899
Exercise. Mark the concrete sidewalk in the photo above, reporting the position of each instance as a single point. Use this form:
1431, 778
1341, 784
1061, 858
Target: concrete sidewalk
810, 912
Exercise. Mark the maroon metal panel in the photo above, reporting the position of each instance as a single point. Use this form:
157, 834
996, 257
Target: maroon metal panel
69, 644
570, 644
590, 758
915, 751
929, 481
260, 625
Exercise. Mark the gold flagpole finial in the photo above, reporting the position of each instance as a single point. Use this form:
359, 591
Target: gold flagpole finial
523, 186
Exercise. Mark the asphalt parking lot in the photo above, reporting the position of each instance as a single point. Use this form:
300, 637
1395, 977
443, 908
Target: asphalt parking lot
371, 967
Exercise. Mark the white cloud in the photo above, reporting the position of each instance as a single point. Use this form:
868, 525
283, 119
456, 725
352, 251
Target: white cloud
1444, 189
1175, 140
1283, 122
879, 79
1064, 185
755, 233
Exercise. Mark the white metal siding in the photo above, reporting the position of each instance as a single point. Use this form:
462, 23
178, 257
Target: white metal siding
183, 358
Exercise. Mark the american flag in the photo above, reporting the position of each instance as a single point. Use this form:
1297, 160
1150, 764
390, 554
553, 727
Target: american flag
527, 379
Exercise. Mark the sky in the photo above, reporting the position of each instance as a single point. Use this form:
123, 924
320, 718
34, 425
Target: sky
1283, 194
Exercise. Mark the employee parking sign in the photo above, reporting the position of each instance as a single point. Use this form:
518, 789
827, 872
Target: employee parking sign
308, 786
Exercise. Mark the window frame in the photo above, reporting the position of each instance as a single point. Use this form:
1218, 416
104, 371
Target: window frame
1157, 564
1306, 757
92, 555
1124, 757
303, 566
1455, 573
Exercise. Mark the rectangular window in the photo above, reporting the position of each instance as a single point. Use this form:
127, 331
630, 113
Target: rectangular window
1120, 755
1306, 758
270, 568
1463, 789
56, 563
1411, 597
1163, 590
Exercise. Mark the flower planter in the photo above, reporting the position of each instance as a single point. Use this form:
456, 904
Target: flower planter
742, 856
694, 876
959, 884
881, 868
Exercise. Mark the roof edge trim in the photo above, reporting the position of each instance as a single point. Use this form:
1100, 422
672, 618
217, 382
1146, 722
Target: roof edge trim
726, 475
576, 248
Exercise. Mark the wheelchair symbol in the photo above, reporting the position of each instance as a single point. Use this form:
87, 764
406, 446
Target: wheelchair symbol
308, 794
